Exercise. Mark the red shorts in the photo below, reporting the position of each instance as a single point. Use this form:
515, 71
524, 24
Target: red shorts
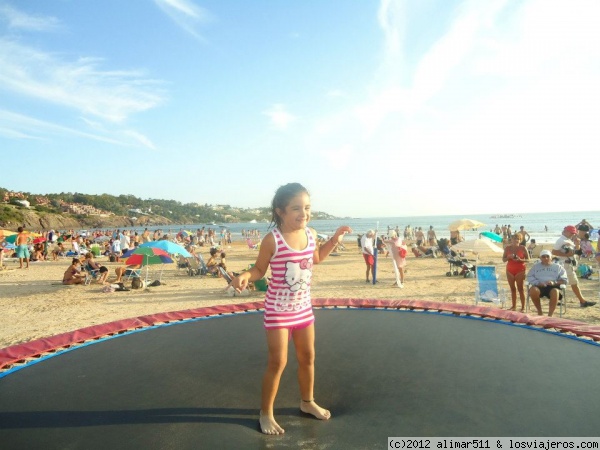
369, 259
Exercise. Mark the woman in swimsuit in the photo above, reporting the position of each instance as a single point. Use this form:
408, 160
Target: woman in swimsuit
515, 256
73, 274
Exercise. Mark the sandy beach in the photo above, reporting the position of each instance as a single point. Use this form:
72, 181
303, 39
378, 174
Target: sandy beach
34, 303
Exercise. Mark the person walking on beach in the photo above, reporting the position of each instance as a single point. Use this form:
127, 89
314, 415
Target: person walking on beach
291, 250
431, 237
565, 249
515, 256
368, 251
21, 248
398, 250
524, 235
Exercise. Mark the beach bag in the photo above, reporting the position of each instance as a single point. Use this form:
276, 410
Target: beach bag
584, 271
108, 289
119, 287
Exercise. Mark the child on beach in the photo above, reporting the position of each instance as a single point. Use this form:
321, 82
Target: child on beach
291, 250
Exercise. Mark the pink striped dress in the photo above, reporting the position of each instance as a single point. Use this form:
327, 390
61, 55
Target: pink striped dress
287, 302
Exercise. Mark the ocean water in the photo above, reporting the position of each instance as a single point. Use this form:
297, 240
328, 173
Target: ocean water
535, 224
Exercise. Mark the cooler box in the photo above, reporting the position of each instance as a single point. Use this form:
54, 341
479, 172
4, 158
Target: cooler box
95, 249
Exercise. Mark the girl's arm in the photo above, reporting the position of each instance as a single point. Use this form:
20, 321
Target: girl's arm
324, 250
256, 272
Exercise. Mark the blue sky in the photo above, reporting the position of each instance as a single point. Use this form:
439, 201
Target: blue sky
380, 108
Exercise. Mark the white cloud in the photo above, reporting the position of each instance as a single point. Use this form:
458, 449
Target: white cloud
140, 139
23, 126
186, 15
110, 95
501, 82
17, 20
279, 116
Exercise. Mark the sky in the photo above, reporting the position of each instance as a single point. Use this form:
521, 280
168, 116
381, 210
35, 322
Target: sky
380, 108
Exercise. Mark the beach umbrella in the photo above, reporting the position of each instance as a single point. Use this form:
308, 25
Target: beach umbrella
465, 224
12, 238
185, 233
477, 246
6, 233
493, 236
39, 240
147, 256
148, 259
168, 246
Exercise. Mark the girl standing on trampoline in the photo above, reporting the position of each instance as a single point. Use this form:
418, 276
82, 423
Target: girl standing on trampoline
291, 249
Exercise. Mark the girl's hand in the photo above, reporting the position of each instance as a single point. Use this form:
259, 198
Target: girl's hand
340, 232
239, 283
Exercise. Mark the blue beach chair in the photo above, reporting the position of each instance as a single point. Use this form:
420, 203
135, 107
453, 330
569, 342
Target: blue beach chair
487, 286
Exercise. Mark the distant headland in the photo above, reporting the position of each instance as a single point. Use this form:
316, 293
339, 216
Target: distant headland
77, 210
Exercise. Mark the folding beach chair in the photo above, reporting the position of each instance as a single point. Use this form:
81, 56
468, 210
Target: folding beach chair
132, 273
562, 304
90, 274
487, 286
203, 266
224, 274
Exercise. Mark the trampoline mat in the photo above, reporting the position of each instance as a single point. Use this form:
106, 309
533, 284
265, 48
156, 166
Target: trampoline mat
381, 373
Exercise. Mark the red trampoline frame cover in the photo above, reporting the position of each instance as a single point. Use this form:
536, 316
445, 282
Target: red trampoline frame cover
24, 352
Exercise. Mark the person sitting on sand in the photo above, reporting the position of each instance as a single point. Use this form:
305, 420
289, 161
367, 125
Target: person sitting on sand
223, 264
73, 274
38, 253
58, 251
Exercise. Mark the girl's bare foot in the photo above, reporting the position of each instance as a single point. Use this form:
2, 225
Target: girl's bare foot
268, 424
310, 407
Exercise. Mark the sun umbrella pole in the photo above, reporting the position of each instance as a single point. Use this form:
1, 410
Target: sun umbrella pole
375, 254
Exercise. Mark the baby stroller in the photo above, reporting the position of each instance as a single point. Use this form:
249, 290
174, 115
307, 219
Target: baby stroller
468, 269
456, 264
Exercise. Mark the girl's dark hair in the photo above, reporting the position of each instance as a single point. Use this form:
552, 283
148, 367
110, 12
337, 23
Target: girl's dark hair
75, 261
282, 198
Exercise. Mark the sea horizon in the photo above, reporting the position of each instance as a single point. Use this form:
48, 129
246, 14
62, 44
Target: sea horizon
541, 226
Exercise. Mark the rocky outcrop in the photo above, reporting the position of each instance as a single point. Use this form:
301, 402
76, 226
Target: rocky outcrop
33, 220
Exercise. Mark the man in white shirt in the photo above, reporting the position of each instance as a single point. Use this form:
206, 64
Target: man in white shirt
125, 241
565, 249
545, 278
366, 243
